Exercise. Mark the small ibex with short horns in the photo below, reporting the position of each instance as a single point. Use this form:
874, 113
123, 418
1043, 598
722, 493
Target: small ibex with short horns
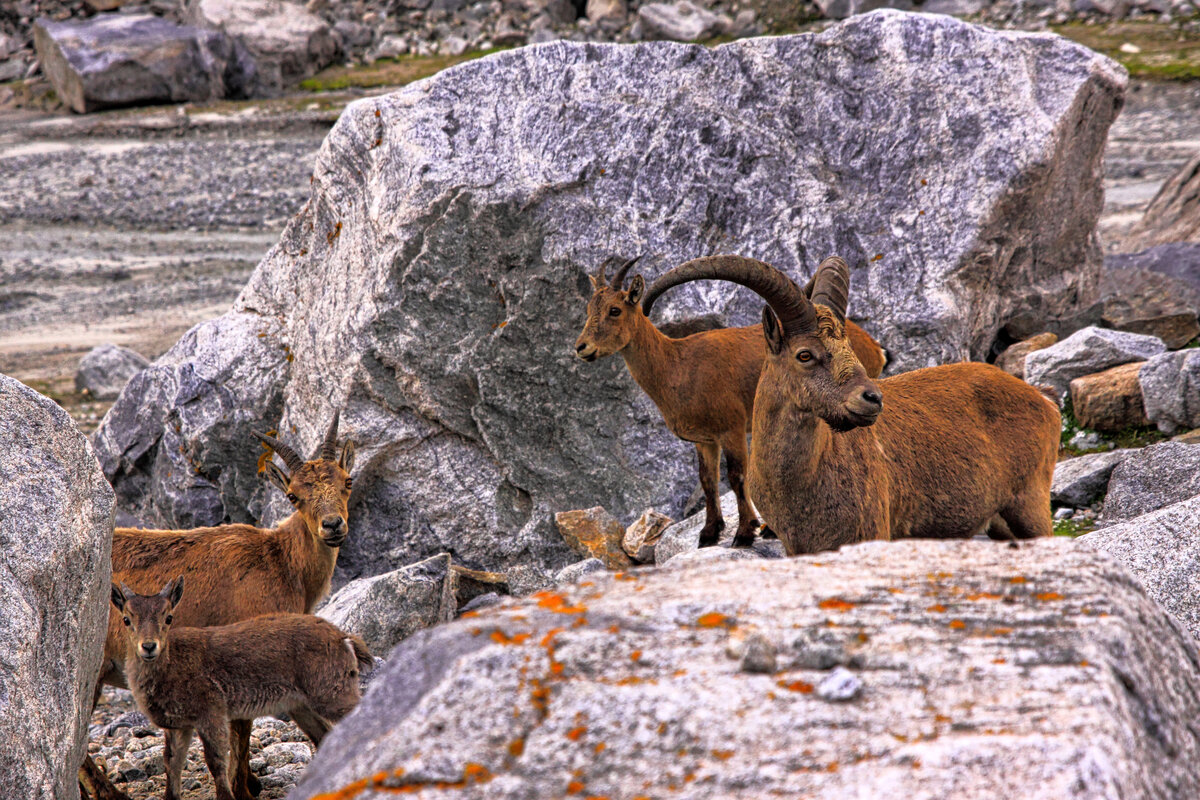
239, 571
942, 452
703, 384
201, 679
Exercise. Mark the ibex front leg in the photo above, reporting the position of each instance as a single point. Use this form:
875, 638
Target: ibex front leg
735, 460
710, 477
175, 748
214, 735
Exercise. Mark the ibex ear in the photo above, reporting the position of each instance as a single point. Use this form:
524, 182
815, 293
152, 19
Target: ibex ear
347, 459
118, 597
173, 591
773, 331
276, 476
637, 287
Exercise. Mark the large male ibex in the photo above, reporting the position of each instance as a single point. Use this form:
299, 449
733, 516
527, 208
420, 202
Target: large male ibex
239, 571
703, 384
838, 458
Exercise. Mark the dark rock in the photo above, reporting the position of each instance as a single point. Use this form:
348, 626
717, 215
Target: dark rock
131, 59
1179, 260
643, 666
1148, 302
55, 565
1080, 481
1150, 479
105, 370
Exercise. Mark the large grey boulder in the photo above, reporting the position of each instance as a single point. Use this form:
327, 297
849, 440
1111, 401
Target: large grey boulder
1170, 385
1151, 478
105, 369
435, 283
975, 671
288, 42
1172, 215
133, 59
1078, 482
684, 536
1086, 352
1162, 550
56, 519
386, 609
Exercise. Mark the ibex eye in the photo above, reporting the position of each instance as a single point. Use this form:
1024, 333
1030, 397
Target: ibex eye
292, 498
804, 356
169, 619
349, 483
614, 312
126, 620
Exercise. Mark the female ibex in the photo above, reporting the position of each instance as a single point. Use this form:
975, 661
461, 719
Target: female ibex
201, 679
240, 571
838, 458
703, 384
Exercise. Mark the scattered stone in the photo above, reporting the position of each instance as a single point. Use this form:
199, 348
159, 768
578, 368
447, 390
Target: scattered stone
281, 753
1064, 513
681, 21
1080, 481
684, 537
841, 9
1162, 550
1188, 437
1086, 352
479, 419
449, 698
471, 583
105, 370
55, 565
642, 536
573, 573
288, 43
525, 579
388, 608
1012, 360
113, 60
1151, 478
1111, 400
840, 686
135, 721
758, 655
1088, 440
482, 601
596, 533
1170, 385
606, 11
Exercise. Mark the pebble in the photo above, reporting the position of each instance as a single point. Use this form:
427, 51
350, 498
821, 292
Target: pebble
841, 685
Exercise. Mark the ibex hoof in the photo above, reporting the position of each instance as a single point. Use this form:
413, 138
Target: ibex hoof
744, 538
767, 533
710, 534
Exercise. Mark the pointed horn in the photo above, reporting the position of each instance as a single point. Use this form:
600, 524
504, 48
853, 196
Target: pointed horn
329, 446
618, 281
289, 456
831, 286
786, 299
600, 279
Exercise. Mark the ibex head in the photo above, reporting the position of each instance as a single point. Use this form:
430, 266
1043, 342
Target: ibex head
148, 618
808, 353
610, 313
811, 356
318, 488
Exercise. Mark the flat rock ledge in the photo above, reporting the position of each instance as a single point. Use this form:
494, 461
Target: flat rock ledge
968, 670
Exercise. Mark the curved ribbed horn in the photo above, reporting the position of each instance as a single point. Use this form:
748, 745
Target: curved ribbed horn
289, 456
599, 279
328, 449
786, 299
618, 280
831, 286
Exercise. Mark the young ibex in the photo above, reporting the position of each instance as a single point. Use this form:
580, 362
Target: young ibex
838, 458
703, 384
240, 571
201, 679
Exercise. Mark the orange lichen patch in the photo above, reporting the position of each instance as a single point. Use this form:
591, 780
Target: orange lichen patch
614, 628
714, 619
635, 655
548, 640
936, 608
1084, 663
877, 257
833, 767
957, 624
599, 748
553, 601
916, 764
1017, 579
579, 623
662, 728
476, 631
476, 773
796, 686
1000, 631
983, 596
722, 755
862, 637
472, 773
1000, 660
679, 673
468, 614
835, 604
500, 637
894, 590
575, 787
630, 680
516, 748
333, 234
575, 734
625, 576
540, 697
940, 718
1048, 596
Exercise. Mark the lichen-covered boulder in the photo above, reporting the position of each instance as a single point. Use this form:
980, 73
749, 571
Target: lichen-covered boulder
56, 519
890, 670
435, 283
